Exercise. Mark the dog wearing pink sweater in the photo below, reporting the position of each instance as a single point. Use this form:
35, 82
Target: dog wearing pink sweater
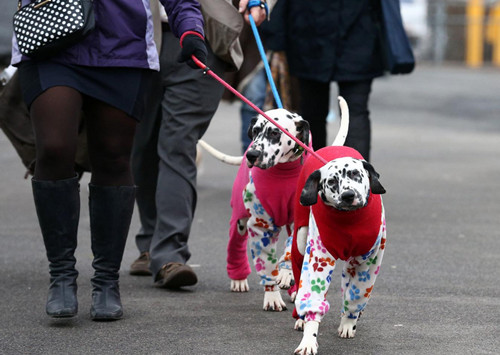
262, 195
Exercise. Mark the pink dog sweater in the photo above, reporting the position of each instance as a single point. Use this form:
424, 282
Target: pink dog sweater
275, 188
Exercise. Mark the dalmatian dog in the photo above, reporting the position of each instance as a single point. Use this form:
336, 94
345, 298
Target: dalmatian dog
262, 204
346, 222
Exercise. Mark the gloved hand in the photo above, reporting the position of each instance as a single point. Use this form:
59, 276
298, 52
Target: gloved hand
192, 44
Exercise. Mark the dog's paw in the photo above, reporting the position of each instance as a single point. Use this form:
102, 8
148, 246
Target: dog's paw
299, 325
273, 301
309, 343
347, 328
284, 279
239, 285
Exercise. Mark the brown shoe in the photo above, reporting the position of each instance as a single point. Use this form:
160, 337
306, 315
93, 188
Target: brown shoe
175, 275
140, 267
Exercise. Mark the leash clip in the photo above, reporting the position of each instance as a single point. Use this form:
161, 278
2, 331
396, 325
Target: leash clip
298, 150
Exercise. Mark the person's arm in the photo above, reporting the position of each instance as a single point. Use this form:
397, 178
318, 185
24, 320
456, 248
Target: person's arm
186, 22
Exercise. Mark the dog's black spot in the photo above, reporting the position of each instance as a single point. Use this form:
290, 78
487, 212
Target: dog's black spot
289, 116
355, 175
273, 135
276, 152
289, 142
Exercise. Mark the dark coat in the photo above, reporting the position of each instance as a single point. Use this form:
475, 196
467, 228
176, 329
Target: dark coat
333, 40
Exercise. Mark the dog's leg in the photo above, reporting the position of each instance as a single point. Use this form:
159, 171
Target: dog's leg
309, 343
264, 236
358, 279
315, 279
238, 267
285, 276
302, 241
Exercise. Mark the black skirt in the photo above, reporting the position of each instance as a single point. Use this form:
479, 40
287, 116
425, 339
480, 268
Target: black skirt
123, 88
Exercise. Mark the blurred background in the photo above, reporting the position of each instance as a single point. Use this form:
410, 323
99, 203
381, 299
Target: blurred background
457, 31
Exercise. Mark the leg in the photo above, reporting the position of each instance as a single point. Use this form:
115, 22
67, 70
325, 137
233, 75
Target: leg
111, 202
357, 94
285, 277
189, 103
238, 267
358, 279
255, 91
315, 102
145, 171
315, 279
56, 192
264, 237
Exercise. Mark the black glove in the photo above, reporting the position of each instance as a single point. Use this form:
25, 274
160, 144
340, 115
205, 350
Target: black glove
192, 45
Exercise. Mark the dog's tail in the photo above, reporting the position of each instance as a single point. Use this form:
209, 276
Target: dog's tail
344, 123
228, 159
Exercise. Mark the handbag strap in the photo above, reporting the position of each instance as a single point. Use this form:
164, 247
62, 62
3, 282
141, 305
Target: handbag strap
19, 4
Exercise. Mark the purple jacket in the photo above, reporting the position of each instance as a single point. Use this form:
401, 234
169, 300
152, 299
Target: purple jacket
123, 34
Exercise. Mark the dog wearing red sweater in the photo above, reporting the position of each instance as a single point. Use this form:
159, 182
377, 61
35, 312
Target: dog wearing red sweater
346, 222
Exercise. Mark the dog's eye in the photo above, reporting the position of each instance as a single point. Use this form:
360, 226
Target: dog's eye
275, 133
353, 174
333, 182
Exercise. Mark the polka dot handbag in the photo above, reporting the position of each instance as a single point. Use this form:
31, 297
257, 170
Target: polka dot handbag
45, 27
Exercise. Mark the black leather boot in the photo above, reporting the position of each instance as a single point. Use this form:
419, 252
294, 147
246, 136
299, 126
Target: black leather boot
58, 208
111, 209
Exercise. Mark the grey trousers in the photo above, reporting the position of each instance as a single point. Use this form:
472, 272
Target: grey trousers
182, 101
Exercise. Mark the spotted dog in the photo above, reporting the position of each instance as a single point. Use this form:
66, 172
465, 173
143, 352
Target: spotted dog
346, 223
262, 204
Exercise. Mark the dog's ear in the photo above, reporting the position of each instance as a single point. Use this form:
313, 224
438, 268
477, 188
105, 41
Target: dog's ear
303, 131
375, 185
250, 127
309, 195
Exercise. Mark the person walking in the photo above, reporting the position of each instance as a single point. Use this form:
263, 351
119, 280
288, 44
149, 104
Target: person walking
340, 41
182, 105
105, 75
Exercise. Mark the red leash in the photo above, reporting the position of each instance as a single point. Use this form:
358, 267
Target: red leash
234, 91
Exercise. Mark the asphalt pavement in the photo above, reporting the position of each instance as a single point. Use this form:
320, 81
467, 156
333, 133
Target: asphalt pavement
436, 145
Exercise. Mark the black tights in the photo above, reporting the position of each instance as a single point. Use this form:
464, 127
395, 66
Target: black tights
315, 100
56, 117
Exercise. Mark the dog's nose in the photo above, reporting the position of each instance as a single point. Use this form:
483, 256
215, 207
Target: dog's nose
347, 196
252, 155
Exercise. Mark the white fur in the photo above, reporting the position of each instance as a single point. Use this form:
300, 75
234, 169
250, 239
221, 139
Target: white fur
284, 278
273, 301
239, 285
309, 343
347, 328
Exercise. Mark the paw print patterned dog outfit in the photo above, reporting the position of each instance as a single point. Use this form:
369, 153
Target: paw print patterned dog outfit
356, 237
